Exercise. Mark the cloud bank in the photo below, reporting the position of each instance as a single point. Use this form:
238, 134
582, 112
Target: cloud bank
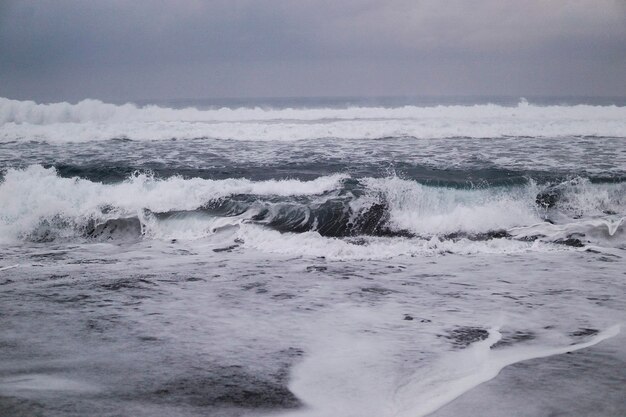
119, 50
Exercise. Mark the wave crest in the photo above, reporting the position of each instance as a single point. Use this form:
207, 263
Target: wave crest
38, 205
95, 120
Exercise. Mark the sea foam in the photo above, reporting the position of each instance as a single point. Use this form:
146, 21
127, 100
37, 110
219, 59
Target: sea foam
335, 216
95, 120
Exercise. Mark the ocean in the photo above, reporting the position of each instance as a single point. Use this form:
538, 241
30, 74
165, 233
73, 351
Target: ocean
338, 257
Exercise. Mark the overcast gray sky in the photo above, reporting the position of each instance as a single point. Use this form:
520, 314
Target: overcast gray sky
119, 50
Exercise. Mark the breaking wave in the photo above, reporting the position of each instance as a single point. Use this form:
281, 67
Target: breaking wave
94, 120
387, 215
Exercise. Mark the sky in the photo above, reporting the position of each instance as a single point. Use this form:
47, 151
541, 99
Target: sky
120, 50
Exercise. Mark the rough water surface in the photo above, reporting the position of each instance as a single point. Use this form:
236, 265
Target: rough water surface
361, 261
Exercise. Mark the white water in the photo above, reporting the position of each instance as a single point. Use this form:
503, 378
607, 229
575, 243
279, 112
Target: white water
36, 197
94, 120
363, 386
456, 373
198, 314
35, 194
429, 210
372, 248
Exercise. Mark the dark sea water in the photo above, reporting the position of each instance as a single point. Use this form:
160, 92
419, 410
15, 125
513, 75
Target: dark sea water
313, 257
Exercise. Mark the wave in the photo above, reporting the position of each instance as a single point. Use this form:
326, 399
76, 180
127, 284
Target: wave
420, 391
460, 372
36, 198
95, 120
36, 204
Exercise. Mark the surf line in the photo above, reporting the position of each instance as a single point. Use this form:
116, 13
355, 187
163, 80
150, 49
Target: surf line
425, 394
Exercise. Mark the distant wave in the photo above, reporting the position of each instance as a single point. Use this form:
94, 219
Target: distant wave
38, 205
95, 120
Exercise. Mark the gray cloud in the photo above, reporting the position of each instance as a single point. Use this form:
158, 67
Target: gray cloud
119, 49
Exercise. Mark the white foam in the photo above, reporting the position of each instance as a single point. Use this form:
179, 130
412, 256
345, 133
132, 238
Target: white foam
312, 244
347, 373
34, 194
581, 209
458, 372
440, 210
354, 375
94, 120
597, 229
